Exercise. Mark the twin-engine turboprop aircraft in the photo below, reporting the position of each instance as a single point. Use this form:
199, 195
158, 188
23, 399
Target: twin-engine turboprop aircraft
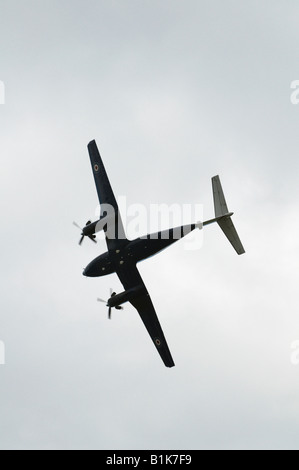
123, 255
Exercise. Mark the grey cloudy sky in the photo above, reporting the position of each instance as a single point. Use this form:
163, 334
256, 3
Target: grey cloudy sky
174, 92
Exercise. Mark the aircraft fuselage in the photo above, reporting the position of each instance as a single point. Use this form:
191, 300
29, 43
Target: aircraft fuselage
135, 251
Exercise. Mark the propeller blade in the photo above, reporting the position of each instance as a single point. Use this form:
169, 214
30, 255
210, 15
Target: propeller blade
109, 313
82, 237
76, 225
101, 300
92, 239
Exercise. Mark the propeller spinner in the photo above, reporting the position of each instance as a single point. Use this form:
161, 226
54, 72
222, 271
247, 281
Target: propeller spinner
118, 307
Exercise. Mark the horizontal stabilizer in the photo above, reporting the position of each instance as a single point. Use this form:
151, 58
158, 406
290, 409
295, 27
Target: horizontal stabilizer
223, 216
228, 228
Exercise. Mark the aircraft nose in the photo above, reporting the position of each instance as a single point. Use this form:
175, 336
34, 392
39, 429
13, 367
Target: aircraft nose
90, 271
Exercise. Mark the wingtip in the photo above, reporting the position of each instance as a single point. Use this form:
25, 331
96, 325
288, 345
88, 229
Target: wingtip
91, 143
169, 362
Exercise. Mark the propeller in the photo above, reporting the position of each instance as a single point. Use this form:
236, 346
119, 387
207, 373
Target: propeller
118, 307
91, 237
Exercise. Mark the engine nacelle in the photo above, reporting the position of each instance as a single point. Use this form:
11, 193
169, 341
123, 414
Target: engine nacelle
95, 227
125, 296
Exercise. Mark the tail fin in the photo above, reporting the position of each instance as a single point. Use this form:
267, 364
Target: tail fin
223, 216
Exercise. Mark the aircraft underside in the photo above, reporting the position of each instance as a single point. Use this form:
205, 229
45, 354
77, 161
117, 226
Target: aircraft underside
135, 251
123, 255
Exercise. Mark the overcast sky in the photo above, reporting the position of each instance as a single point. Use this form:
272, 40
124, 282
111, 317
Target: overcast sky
174, 92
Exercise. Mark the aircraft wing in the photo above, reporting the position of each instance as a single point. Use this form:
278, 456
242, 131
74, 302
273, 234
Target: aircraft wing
130, 278
115, 234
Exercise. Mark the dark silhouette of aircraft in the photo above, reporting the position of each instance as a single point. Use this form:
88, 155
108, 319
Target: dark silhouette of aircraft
123, 255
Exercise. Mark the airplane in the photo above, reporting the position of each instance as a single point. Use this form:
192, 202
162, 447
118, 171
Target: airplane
123, 254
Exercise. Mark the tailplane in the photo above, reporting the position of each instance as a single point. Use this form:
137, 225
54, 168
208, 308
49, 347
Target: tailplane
223, 216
